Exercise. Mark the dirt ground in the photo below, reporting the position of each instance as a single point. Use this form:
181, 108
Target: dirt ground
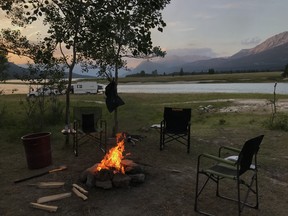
168, 189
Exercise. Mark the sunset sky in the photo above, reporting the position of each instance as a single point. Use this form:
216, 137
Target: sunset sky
214, 28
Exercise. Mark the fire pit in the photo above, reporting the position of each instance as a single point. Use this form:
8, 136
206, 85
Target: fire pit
114, 170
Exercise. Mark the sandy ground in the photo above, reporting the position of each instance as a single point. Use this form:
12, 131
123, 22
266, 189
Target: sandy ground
255, 105
12, 88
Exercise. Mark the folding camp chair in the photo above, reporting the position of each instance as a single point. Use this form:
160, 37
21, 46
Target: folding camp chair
175, 127
88, 124
232, 168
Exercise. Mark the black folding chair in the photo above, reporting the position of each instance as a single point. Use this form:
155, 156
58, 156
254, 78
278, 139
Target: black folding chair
232, 168
175, 127
88, 124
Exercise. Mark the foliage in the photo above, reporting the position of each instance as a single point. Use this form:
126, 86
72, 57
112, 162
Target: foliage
280, 122
3, 110
285, 73
94, 33
211, 71
3, 65
42, 111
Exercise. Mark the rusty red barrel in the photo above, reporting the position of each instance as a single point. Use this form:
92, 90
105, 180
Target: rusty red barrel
37, 149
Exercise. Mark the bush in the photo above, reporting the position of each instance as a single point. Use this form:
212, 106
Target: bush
2, 115
280, 122
55, 111
42, 111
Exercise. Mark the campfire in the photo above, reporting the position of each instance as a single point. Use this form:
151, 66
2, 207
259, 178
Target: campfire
113, 159
114, 170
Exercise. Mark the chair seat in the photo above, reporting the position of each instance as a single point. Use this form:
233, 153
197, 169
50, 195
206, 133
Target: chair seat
223, 170
235, 158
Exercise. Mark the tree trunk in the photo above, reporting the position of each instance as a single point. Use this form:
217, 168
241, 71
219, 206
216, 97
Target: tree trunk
67, 111
115, 128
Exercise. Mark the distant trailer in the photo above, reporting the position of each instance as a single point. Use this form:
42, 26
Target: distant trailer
85, 88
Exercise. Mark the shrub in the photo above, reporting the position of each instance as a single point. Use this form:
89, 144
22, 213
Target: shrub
280, 122
2, 115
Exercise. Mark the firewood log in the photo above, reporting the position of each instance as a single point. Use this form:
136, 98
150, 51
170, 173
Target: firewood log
79, 194
82, 190
48, 184
44, 207
53, 197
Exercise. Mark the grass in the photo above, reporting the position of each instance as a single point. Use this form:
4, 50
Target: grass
256, 77
140, 110
251, 77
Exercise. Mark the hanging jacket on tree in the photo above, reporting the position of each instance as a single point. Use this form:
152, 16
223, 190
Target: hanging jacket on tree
112, 98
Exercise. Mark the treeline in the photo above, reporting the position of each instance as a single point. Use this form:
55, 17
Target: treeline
182, 73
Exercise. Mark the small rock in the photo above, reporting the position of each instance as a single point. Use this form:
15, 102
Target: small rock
90, 181
137, 178
121, 180
104, 184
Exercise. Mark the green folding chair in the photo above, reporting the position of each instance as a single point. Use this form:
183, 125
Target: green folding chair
231, 168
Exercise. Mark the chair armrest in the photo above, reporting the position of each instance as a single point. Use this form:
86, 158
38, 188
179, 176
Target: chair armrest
215, 158
232, 149
162, 124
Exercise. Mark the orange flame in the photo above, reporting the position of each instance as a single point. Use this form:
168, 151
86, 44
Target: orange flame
112, 160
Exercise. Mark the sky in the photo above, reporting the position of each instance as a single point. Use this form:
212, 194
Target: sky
214, 28
220, 27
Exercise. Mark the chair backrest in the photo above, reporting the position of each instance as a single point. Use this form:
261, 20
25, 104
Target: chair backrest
249, 150
177, 119
88, 117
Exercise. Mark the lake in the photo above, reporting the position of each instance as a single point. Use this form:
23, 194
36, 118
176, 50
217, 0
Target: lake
267, 88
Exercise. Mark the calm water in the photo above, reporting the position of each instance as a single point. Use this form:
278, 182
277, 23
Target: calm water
282, 88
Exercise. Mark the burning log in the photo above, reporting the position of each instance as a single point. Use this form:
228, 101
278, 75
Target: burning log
104, 175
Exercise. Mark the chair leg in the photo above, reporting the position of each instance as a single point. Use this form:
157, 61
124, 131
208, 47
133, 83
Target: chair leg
257, 194
75, 139
188, 143
161, 140
198, 193
238, 196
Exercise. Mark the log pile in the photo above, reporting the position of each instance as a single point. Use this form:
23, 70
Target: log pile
41, 203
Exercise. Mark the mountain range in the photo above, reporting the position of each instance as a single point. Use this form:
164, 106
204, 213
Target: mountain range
17, 71
270, 55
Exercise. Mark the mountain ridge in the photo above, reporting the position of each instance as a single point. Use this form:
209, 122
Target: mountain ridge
272, 54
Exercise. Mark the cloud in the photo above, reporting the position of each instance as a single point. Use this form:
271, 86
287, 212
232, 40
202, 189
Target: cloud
192, 51
251, 41
227, 6
186, 29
